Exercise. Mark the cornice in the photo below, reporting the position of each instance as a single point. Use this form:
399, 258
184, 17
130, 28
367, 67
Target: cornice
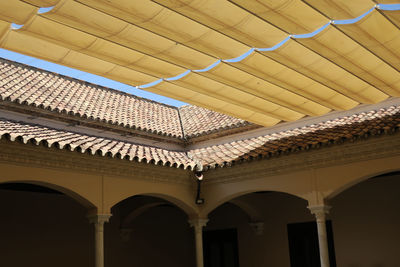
52, 158
358, 151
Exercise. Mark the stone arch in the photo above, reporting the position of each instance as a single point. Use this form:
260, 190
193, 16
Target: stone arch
217, 193
117, 189
66, 191
229, 198
82, 187
181, 204
363, 172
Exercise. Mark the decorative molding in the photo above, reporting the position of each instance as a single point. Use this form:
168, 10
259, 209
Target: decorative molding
198, 224
320, 211
53, 158
358, 151
99, 218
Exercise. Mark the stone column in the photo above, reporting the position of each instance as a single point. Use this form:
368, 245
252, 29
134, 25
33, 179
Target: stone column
98, 220
198, 225
320, 213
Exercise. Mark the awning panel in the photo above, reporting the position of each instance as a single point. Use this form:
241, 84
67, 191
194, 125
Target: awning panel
43, 3
263, 61
294, 81
111, 28
42, 49
201, 100
16, 11
171, 25
347, 53
228, 18
255, 86
341, 9
57, 33
313, 65
378, 35
293, 16
232, 95
393, 16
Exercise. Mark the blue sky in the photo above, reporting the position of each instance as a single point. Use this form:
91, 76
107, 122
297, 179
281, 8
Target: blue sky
86, 77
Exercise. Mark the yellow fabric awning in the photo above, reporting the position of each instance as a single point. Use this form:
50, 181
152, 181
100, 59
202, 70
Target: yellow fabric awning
262, 61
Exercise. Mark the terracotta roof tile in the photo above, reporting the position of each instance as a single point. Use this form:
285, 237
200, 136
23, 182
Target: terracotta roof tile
32, 86
92, 144
27, 85
198, 121
312, 136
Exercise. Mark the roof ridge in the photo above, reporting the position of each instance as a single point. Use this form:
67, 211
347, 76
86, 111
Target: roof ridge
87, 83
359, 126
181, 124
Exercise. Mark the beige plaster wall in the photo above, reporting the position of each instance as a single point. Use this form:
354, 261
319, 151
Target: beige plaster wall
366, 221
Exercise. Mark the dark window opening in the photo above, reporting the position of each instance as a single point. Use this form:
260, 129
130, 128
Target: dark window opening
303, 244
221, 248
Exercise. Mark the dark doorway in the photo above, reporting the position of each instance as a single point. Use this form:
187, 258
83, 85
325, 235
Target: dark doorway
221, 248
303, 244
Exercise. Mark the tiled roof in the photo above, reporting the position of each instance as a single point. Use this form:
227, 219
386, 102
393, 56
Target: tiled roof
198, 121
28, 85
25, 132
313, 136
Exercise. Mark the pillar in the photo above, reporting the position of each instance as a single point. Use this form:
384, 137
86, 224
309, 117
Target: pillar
98, 220
198, 225
320, 213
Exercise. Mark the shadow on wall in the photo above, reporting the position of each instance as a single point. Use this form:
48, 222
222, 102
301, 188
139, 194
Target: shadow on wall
39, 224
142, 227
365, 222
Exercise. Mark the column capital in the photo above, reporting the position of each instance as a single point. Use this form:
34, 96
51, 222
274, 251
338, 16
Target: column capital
320, 211
99, 218
198, 222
